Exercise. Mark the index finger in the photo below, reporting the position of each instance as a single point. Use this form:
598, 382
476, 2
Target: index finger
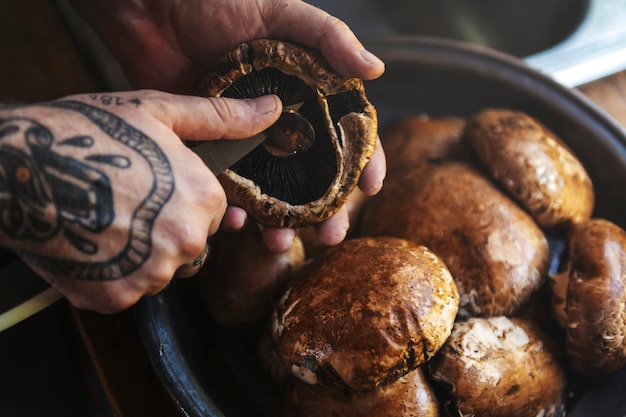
313, 27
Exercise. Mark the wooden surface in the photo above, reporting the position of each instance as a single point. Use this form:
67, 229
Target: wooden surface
39, 62
610, 94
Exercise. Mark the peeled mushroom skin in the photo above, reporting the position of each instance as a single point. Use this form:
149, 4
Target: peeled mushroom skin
409, 396
365, 313
495, 251
242, 278
534, 165
499, 367
420, 138
595, 305
313, 155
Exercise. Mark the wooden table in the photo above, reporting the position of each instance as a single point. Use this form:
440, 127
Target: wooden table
40, 62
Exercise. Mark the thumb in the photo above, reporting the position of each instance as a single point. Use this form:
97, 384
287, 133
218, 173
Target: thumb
335, 40
200, 118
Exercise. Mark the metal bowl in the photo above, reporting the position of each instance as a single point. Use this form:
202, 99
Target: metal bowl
211, 371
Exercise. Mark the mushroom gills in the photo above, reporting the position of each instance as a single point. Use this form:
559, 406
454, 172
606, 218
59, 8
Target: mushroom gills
299, 160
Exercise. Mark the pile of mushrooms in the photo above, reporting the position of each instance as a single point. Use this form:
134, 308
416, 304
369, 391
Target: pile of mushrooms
429, 308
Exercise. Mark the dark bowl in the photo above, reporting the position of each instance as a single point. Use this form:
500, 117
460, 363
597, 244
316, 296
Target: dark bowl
211, 371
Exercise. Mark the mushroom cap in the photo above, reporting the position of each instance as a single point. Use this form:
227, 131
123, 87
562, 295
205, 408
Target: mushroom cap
307, 183
499, 367
409, 396
365, 313
595, 305
533, 165
417, 139
495, 251
241, 279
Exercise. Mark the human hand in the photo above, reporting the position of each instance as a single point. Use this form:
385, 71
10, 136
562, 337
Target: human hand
170, 45
101, 197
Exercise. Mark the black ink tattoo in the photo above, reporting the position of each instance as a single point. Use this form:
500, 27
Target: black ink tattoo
10, 106
109, 100
42, 188
199, 261
41, 192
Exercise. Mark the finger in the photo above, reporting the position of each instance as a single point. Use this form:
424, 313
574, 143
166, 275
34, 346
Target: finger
276, 239
333, 231
200, 118
319, 30
373, 175
194, 267
234, 219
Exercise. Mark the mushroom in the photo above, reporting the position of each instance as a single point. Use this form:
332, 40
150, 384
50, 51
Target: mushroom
409, 396
365, 313
354, 205
499, 367
242, 278
313, 155
271, 364
534, 165
421, 138
495, 251
594, 300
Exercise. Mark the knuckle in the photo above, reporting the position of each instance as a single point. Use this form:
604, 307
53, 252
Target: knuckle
333, 24
192, 241
196, 246
226, 111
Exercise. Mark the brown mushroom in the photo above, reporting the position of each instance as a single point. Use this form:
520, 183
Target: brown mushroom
354, 205
314, 154
594, 302
409, 396
421, 138
365, 313
534, 165
499, 367
495, 251
242, 278
271, 364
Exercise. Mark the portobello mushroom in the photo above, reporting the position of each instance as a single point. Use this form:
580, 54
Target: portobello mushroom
365, 313
495, 251
499, 367
314, 154
534, 165
241, 279
409, 396
416, 139
592, 295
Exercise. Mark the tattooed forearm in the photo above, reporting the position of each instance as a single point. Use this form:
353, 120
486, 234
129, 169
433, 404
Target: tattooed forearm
47, 195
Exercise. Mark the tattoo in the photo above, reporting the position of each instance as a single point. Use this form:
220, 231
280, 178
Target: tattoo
202, 257
109, 100
10, 106
45, 195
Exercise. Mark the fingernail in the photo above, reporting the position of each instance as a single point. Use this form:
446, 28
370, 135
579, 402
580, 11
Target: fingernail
264, 104
370, 57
